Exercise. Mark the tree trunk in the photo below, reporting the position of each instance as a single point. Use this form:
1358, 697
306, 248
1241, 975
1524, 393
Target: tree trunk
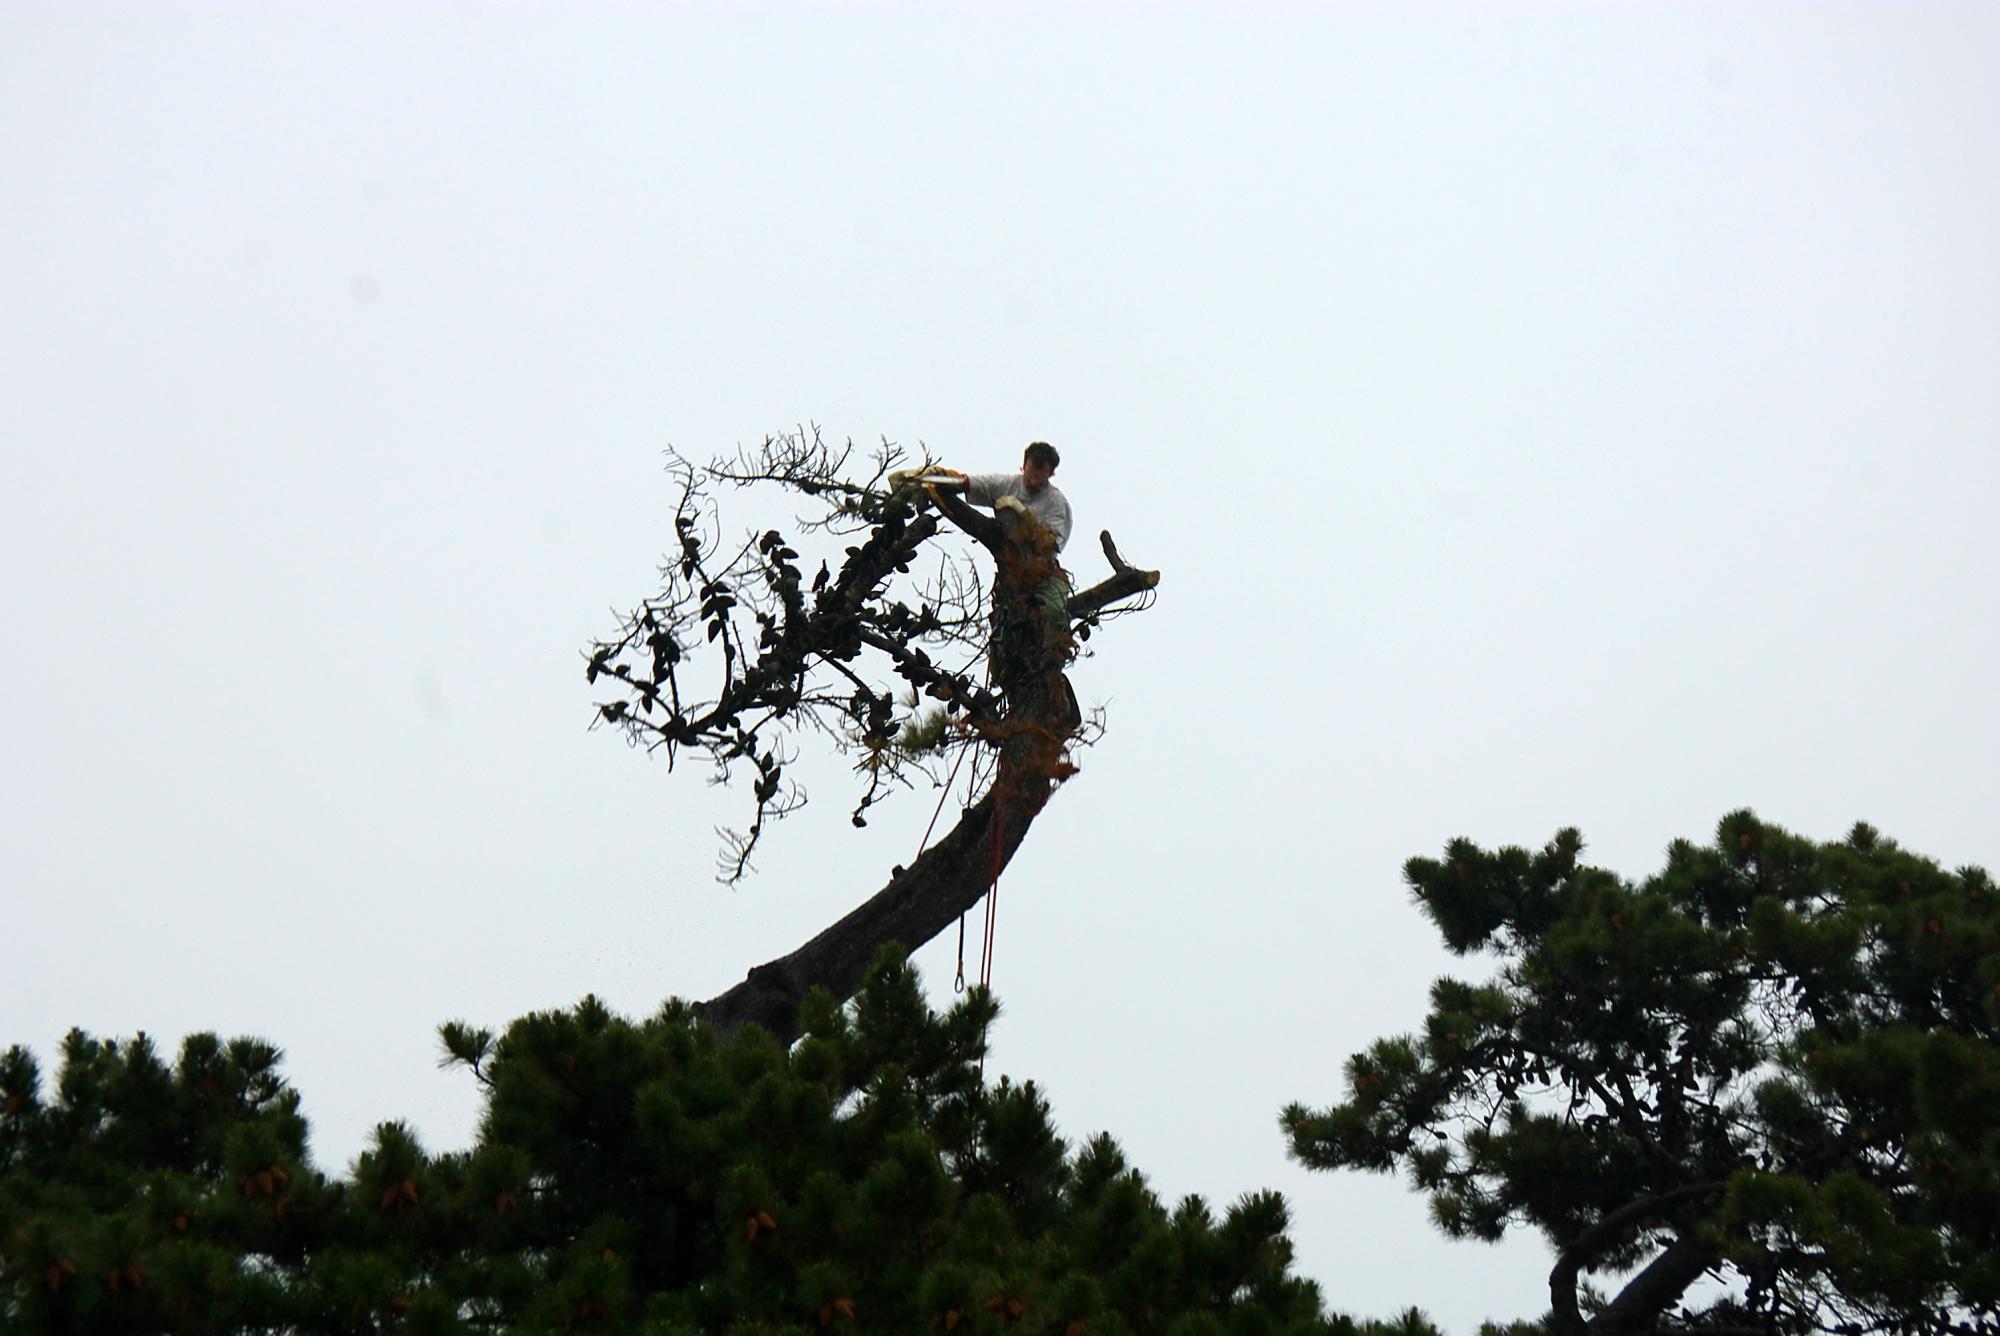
1655, 1289
919, 902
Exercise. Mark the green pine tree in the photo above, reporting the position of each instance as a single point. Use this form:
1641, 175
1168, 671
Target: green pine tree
1773, 1065
627, 1176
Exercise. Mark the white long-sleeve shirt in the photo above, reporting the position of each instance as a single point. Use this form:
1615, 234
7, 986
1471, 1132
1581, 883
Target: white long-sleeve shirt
1049, 505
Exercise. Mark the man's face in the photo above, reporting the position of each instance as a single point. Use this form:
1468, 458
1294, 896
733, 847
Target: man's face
1035, 474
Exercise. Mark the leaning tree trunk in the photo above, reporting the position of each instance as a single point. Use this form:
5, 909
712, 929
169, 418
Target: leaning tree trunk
924, 899
1637, 1307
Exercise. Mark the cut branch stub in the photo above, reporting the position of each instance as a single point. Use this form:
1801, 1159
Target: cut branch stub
1126, 582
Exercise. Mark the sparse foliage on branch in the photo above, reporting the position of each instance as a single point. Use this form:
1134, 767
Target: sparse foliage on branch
871, 634
1774, 1066
746, 646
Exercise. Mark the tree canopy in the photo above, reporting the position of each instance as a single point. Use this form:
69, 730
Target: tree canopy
628, 1176
1759, 1092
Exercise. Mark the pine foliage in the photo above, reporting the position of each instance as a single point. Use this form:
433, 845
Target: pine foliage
627, 1176
1773, 1064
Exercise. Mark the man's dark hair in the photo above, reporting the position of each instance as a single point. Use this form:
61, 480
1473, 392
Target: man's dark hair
1041, 452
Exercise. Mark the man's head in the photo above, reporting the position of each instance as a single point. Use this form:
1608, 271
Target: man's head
1038, 463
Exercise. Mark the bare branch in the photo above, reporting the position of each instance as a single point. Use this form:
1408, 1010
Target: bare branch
1126, 581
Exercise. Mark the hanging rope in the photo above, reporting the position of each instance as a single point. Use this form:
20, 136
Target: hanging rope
992, 895
965, 749
992, 880
958, 980
992, 904
992, 891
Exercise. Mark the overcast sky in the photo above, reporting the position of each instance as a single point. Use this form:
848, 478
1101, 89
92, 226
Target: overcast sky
1542, 414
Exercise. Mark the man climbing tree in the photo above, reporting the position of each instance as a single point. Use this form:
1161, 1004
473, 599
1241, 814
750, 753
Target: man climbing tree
1030, 489
871, 654
1030, 497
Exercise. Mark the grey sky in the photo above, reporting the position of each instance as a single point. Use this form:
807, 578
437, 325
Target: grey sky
1543, 415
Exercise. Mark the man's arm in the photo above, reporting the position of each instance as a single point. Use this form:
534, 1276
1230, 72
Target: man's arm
984, 489
993, 490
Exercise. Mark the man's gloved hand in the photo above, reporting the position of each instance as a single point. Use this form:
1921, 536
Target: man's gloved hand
1012, 503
